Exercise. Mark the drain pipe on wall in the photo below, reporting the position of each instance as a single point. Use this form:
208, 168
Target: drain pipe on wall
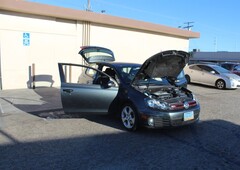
33, 75
0, 69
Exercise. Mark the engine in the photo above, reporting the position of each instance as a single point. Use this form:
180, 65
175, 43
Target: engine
169, 94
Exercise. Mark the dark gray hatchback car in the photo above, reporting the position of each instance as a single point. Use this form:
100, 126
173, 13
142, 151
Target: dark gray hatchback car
141, 95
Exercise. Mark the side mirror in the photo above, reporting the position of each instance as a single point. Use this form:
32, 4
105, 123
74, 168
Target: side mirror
213, 72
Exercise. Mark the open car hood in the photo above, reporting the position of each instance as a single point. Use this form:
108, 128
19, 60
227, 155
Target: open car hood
167, 64
94, 54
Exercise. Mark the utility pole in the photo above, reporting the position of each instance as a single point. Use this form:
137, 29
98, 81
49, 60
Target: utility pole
189, 25
88, 6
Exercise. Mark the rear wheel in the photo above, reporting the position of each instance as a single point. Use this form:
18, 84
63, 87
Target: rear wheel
129, 117
220, 84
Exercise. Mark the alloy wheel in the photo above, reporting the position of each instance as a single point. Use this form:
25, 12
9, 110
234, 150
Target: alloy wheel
128, 117
220, 84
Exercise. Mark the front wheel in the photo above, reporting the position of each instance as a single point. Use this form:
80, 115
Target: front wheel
220, 84
129, 117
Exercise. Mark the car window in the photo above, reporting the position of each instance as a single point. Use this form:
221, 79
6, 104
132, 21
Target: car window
220, 69
90, 72
73, 72
153, 81
93, 54
78, 74
226, 66
111, 72
195, 67
207, 69
236, 68
87, 76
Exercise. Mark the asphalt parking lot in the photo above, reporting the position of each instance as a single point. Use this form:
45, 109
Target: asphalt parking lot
36, 134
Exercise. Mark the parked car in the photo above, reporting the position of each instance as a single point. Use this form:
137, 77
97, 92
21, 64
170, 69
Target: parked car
141, 95
232, 67
213, 75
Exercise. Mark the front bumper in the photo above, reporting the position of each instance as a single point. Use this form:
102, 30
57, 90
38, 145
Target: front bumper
233, 84
156, 119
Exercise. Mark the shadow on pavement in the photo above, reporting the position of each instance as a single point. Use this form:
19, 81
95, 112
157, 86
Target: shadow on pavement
33, 100
212, 144
207, 86
207, 145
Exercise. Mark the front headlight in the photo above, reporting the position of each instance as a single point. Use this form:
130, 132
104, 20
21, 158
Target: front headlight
230, 78
156, 104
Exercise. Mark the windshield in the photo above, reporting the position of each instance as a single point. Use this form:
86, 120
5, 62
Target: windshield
128, 72
152, 81
220, 69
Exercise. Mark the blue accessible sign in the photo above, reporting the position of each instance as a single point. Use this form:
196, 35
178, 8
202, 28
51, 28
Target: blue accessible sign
26, 39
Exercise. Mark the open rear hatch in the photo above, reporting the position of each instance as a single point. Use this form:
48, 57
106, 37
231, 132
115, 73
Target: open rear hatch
94, 54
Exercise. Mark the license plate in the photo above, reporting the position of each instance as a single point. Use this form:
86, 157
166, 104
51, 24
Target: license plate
188, 116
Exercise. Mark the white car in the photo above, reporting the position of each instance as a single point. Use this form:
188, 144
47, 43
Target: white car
212, 75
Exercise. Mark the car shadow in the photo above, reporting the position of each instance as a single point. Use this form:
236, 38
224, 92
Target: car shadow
208, 145
207, 86
202, 85
46, 103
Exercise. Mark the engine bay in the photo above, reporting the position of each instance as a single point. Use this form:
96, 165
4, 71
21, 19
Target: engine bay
169, 94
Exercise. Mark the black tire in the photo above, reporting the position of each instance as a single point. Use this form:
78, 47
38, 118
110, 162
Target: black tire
220, 84
129, 117
188, 79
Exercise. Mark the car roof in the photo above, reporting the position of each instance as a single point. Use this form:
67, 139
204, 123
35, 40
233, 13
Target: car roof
203, 64
233, 63
118, 64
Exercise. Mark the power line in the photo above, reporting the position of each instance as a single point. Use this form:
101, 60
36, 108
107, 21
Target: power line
188, 26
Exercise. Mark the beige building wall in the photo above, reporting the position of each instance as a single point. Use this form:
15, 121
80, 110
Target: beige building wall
51, 41
54, 39
133, 45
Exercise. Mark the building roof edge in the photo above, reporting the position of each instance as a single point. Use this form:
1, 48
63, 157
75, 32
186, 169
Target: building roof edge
34, 8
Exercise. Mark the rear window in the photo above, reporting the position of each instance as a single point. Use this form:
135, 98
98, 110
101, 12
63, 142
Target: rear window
237, 68
96, 54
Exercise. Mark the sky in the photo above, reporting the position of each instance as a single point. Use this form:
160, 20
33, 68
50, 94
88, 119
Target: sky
217, 21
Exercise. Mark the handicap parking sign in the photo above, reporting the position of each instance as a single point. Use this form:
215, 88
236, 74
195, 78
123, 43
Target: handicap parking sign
26, 42
26, 35
26, 39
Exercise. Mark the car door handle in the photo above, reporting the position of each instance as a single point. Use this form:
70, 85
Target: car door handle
68, 90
